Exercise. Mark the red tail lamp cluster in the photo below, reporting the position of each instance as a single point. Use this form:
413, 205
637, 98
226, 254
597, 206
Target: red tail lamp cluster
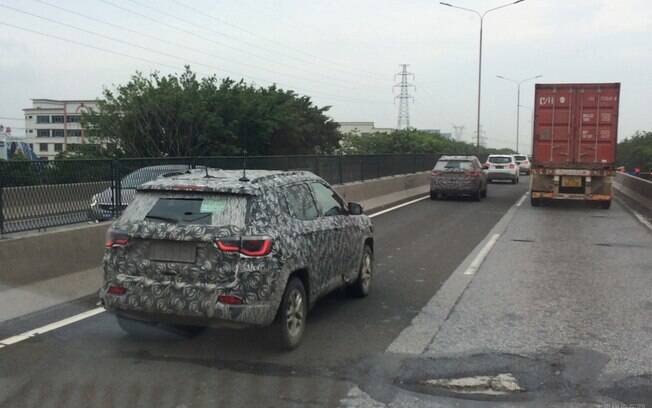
249, 246
116, 239
229, 300
116, 290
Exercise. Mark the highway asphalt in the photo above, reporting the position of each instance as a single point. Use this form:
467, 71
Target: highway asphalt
92, 363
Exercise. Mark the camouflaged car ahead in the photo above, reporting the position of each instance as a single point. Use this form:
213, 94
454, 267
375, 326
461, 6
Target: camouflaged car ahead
210, 248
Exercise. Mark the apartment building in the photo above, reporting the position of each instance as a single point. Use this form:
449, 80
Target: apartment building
53, 126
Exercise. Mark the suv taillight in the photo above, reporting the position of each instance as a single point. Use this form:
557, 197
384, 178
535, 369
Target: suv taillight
473, 173
249, 246
116, 239
435, 173
511, 165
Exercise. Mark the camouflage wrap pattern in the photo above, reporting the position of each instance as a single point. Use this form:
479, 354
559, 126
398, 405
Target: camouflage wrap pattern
454, 181
328, 247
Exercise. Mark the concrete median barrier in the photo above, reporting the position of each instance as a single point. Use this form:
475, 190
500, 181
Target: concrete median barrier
40, 256
635, 188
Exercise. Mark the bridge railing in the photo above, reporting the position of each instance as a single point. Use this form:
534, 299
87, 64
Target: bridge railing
36, 195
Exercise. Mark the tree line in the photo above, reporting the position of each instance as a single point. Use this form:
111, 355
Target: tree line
182, 115
636, 152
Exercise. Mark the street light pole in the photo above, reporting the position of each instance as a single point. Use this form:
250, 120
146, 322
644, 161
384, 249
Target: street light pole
481, 15
518, 100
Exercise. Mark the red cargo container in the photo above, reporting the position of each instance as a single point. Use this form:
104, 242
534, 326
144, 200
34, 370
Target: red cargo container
575, 137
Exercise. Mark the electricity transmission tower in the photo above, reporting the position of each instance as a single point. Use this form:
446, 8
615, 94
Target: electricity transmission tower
459, 132
483, 140
404, 97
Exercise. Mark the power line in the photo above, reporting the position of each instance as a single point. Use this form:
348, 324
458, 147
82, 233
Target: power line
131, 44
10, 118
364, 74
228, 36
161, 64
404, 97
145, 48
175, 44
194, 34
298, 26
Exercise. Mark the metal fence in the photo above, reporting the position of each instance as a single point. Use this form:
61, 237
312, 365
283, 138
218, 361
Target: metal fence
36, 195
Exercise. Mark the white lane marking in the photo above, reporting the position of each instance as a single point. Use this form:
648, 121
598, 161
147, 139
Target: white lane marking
49, 327
475, 265
521, 200
396, 207
642, 219
90, 313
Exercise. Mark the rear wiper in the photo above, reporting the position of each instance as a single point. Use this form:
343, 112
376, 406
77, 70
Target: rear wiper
204, 215
160, 217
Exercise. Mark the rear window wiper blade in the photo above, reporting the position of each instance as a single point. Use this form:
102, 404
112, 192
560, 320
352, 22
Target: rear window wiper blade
201, 216
162, 218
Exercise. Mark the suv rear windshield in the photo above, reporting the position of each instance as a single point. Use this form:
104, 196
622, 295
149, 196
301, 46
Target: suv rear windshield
500, 159
454, 164
520, 158
185, 209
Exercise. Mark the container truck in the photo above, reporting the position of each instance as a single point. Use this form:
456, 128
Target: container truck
574, 142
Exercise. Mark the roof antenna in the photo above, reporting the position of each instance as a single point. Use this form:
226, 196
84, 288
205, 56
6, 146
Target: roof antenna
244, 167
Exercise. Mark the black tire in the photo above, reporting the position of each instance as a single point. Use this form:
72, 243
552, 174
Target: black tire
362, 285
536, 202
292, 313
433, 196
477, 195
514, 180
605, 205
484, 192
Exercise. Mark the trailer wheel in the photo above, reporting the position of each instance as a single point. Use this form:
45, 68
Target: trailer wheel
536, 202
605, 204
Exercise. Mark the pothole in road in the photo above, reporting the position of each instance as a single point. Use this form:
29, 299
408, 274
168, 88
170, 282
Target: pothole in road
501, 384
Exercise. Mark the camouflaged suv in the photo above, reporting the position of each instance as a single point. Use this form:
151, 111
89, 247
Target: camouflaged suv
213, 248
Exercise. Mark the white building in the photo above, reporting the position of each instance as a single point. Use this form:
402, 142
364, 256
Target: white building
362, 128
53, 126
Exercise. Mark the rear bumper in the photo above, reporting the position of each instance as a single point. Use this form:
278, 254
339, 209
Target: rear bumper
462, 188
561, 196
184, 304
501, 175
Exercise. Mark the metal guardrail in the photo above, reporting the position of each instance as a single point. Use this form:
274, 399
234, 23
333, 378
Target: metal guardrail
36, 195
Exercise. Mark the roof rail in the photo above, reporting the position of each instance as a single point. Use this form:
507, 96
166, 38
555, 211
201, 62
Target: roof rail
282, 173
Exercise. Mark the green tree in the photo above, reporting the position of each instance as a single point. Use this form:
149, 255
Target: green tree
408, 141
181, 115
19, 156
636, 151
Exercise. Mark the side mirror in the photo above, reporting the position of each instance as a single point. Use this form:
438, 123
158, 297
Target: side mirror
485, 166
355, 209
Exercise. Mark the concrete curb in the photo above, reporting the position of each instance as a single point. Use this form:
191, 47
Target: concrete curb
416, 338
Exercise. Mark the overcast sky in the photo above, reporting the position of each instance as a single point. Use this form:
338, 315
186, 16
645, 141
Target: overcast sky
343, 53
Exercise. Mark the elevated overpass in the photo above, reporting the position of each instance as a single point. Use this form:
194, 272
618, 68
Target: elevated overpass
558, 297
